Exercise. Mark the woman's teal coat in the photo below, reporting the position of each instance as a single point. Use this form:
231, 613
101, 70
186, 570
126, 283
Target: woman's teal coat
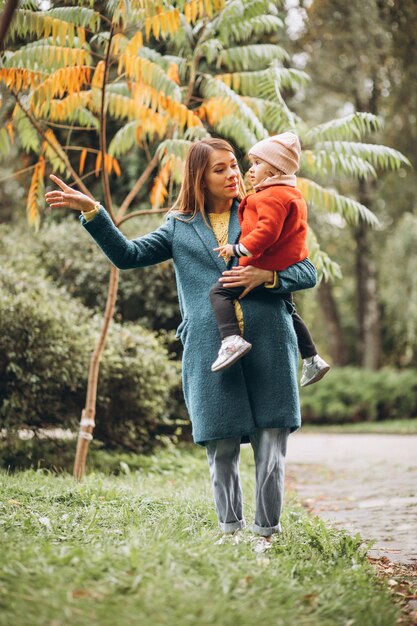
260, 390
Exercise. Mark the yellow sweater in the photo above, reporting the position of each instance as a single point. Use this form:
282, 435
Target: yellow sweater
220, 224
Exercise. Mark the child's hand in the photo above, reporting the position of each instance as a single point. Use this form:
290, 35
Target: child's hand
225, 251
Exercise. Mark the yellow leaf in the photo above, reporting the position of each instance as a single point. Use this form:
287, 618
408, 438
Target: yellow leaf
83, 157
55, 30
48, 21
116, 167
63, 31
81, 35
194, 10
187, 12
107, 161
98, 75
156, 26
148, 25
98, 163
164, 24
173, 73
10, 131
208, 7
35, 193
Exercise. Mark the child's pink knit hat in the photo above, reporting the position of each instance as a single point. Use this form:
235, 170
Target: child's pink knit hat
281, 151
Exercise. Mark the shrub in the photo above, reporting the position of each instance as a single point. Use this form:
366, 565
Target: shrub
46, 338
43, 354
134, 390
352, 395
147, 295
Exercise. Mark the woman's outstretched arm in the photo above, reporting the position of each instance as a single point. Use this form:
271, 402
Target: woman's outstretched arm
122, 252
129, 253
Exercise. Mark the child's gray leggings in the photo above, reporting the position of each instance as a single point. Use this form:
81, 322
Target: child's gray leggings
269, 447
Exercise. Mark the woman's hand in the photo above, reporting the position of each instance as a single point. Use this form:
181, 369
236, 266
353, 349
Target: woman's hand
246, 276
67, 197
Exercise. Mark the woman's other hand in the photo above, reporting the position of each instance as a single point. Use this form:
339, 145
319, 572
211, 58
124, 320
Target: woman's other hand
246, 276
67, 197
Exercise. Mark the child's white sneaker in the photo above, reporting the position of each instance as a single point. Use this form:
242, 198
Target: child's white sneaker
231, 350
314, 369
232, 538
263, 544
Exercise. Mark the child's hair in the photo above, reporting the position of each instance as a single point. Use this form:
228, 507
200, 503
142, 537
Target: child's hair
191, 199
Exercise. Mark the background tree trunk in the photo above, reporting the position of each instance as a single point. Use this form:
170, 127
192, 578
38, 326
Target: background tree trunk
368, 313
336, 340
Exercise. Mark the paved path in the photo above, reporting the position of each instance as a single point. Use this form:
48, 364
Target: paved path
363, 483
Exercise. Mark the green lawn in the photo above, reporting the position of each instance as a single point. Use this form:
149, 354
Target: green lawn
391, 427
138, 548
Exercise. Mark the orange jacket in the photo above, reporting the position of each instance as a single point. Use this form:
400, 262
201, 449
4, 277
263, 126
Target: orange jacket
274, 227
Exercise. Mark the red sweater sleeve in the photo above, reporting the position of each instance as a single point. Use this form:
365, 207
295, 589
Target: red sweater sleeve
271, 215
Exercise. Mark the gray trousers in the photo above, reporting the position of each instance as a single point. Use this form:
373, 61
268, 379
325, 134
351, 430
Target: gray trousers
269, 447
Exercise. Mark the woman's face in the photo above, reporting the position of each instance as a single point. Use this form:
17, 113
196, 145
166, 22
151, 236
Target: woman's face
221, 177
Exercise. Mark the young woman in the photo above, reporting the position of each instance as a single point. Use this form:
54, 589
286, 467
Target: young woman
256, 399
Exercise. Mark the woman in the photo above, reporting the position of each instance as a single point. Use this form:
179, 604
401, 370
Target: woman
256, 400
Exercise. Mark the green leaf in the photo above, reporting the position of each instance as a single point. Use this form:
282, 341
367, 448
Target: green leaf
27, 134
5, 145
350, 127
329, 200
376, 154
173, 147
123, 140
28, 22
324, 162
211, 88
255, 56
253, 27
236, 130
264, 83
271, 114
44, 56
325, 267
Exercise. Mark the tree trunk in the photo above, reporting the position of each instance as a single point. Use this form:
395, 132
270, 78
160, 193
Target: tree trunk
87, 422
337, 345
368, 314
6, 18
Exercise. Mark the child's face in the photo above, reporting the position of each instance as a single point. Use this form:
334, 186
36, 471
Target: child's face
259, 170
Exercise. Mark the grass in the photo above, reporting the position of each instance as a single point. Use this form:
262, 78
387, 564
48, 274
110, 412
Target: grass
386, 427
139, 548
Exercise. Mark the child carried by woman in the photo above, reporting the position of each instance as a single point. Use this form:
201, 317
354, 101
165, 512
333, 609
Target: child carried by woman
274, 228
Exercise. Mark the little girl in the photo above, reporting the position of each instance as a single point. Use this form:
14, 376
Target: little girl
274, 228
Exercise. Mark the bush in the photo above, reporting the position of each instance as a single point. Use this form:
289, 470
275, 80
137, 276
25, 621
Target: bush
353, 395
43, 354
134, 391
46, 338
147, 295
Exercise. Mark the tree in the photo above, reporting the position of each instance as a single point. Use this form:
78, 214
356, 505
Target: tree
354, 43
196, 75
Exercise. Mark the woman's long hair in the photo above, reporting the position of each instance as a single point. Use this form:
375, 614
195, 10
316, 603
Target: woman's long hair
191, 199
